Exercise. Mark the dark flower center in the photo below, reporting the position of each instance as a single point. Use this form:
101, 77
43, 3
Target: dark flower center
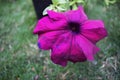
74, 27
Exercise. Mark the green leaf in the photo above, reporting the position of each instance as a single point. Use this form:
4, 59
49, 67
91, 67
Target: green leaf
60, 9
47, 8
55, 2
80, 1
107, 2
74, 7
72, 3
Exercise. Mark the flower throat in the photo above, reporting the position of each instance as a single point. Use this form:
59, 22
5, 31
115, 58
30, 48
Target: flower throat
74, 27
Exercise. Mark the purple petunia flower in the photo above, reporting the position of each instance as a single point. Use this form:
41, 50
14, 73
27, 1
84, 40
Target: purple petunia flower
69, 35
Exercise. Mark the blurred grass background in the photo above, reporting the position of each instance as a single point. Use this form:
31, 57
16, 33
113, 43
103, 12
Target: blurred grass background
20, 58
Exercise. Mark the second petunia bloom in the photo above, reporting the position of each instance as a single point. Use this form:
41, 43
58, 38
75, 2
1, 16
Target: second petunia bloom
69, 35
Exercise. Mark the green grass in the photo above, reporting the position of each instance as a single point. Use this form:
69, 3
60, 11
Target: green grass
20, 59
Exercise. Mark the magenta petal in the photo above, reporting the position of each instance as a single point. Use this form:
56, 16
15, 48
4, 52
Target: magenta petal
89, 49
61, 49
76, 54
94, 30
76, 15
46, 40
41, 25
55, 15
91, 24
46, 24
